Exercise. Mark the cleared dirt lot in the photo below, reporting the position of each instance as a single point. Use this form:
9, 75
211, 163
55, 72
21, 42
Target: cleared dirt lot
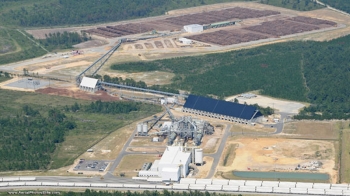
278, 104
312, 130
269, 154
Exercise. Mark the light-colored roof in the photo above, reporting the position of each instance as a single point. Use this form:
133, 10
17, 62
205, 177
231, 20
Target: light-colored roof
174, 155
89, 82
170, 169
184, 39
193, 25
155, 164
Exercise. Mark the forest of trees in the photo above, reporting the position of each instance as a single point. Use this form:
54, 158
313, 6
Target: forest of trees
68, 12
315, 72
132, 82
63, 40
343, 5
30, 133
28, 138
301, 5
146, 193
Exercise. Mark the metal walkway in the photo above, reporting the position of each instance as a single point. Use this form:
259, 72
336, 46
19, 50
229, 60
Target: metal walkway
96, 66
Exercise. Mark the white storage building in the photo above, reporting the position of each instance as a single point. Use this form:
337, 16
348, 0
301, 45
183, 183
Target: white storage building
185, 40
88, 84
173, 165
193, 28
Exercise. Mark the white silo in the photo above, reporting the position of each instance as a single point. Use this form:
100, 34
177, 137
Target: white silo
198, 156
145, 128
139, 128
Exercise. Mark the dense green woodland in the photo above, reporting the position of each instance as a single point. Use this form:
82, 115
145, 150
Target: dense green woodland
132, 82
39, 13
301, 5
315, 72
144, 193
64, 40
32, 129
343, 5
28, 138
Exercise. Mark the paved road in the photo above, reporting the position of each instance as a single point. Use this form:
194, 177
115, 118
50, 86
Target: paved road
122, 153
219, 152
109, 179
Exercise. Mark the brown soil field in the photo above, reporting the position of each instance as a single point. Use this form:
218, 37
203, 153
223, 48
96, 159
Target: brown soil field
138, 46
276, 154
168, 43
149, 45
158, 44
311, 130
99, 95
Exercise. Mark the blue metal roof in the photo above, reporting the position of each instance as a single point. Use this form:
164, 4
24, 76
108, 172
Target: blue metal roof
220, 107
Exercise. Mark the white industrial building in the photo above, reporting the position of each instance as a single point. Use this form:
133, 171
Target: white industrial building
185, 41
88, 84
193, 28
173, 165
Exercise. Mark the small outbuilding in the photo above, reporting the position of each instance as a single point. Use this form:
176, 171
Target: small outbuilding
185, 41
88, 84
193, 28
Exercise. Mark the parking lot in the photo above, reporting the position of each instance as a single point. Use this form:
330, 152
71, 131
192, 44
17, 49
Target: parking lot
91, 165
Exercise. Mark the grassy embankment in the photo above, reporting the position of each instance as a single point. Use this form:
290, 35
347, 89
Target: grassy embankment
91, 127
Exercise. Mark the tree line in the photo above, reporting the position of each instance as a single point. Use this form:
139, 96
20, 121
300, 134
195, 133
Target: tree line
68, 12
28, 138
132, 82
315, 72
63, 40
343, 5
302, 5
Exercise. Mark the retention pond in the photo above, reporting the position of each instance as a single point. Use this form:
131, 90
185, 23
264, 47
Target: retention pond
281, 175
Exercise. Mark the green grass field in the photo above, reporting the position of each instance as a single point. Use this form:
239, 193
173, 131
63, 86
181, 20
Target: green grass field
345, 153
91, 127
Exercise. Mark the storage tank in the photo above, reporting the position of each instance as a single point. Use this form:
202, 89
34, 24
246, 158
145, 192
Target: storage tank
198, 156
171, 138
145, 128
139, 128
198, 139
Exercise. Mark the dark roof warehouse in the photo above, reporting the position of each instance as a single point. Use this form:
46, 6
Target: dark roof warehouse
221, 107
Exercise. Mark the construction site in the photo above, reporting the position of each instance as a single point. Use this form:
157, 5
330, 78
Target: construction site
209, 138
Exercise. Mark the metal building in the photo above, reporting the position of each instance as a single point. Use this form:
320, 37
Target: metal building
219, 109
173, 165
193, 28
88, 84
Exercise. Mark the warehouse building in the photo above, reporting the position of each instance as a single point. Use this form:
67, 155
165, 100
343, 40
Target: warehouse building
88, 84
219, 109
173, 165
193, 28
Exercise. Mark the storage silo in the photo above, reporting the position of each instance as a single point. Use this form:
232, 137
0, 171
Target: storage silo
144, 128
139, 129
198, 156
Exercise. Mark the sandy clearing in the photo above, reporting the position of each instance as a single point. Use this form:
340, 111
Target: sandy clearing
269, 154
3, 86
204, 169
281, 105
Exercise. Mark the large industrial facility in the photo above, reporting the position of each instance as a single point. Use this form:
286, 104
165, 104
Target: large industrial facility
219, 109
174, 163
